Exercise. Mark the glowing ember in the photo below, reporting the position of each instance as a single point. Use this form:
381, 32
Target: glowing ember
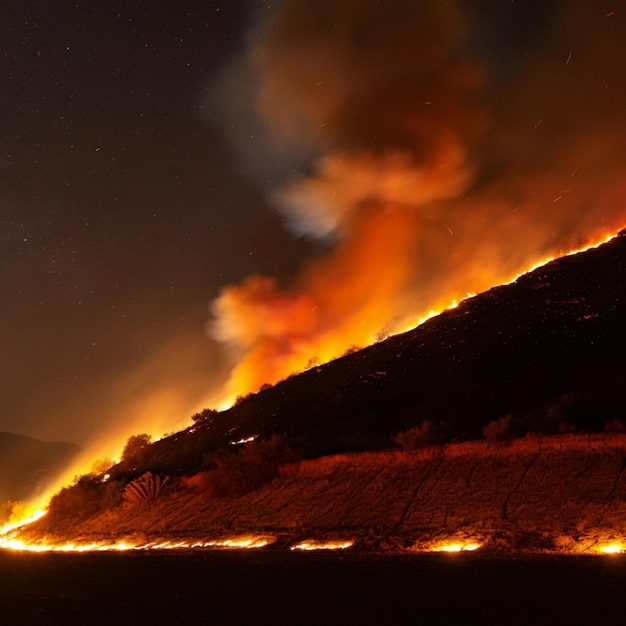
456, 547
18, 544
612, 548
329, 545
240, 542
243, 542
243, 441
453, 544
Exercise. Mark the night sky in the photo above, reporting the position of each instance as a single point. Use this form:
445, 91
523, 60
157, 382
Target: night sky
132, 189
122, 211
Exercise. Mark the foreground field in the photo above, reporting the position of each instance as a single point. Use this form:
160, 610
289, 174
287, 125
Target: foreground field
287, 588
561, 494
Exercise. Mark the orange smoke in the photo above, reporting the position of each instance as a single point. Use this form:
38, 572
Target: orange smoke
427, 181
342, 299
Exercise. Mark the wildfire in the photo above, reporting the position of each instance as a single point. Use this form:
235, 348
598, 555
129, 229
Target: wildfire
30, 515
241, 442
267, 363
460, 542
612, 548
456, 547
323, 545
235, 543
417, 205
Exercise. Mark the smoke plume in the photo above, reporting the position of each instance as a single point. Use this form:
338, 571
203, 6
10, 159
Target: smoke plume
428, 174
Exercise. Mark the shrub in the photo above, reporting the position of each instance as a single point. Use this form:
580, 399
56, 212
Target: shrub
500, 430
206, 416
87, 497
101, 466
428, 433
135, 450
567, 409
247, 469
615, 425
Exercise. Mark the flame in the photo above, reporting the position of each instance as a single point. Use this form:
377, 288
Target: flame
459, 542
612, 548
284, 352
456, 546
235, 543
29, 515
241, 442
425, 180
323, 545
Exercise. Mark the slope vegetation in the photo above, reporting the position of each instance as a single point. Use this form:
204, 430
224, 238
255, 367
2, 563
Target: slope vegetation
560, 493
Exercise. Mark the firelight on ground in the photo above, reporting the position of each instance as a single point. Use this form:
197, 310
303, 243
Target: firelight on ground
323, 545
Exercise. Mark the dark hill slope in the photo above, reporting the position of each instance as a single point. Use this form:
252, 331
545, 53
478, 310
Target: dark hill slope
512, 350
26, 464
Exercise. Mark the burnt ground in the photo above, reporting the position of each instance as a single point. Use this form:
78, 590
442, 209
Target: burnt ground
267, 588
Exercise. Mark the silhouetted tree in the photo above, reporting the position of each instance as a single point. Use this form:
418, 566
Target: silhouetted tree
428, 433
500, 430
135, 450
206, 415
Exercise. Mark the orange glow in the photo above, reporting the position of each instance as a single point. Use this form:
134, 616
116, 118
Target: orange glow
346, 300
613, 548
235, 543
25, 516
456, 547
459, 542
323, 545
154, 413
241, 442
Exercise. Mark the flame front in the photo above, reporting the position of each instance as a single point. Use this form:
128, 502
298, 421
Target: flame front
308, 546
425, 179
10, 542
613, 548
456, 546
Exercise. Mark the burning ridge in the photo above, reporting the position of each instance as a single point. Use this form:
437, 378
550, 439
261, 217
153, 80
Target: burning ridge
427, 169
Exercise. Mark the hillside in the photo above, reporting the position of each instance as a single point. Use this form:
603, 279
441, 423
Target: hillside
545, 353
27, 463
561, 493
548, 349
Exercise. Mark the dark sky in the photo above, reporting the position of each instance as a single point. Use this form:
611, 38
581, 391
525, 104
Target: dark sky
132, 187
121, 210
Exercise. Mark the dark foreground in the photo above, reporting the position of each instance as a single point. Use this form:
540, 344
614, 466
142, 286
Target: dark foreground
261, 587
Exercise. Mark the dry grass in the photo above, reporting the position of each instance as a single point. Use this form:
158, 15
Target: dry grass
522, 494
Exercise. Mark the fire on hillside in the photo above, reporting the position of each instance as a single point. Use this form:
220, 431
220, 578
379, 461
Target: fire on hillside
423, 182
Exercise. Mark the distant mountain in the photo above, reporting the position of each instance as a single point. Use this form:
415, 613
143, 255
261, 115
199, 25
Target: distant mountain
549, 348
27, 464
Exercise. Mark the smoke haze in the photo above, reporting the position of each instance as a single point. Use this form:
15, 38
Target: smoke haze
431, 172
